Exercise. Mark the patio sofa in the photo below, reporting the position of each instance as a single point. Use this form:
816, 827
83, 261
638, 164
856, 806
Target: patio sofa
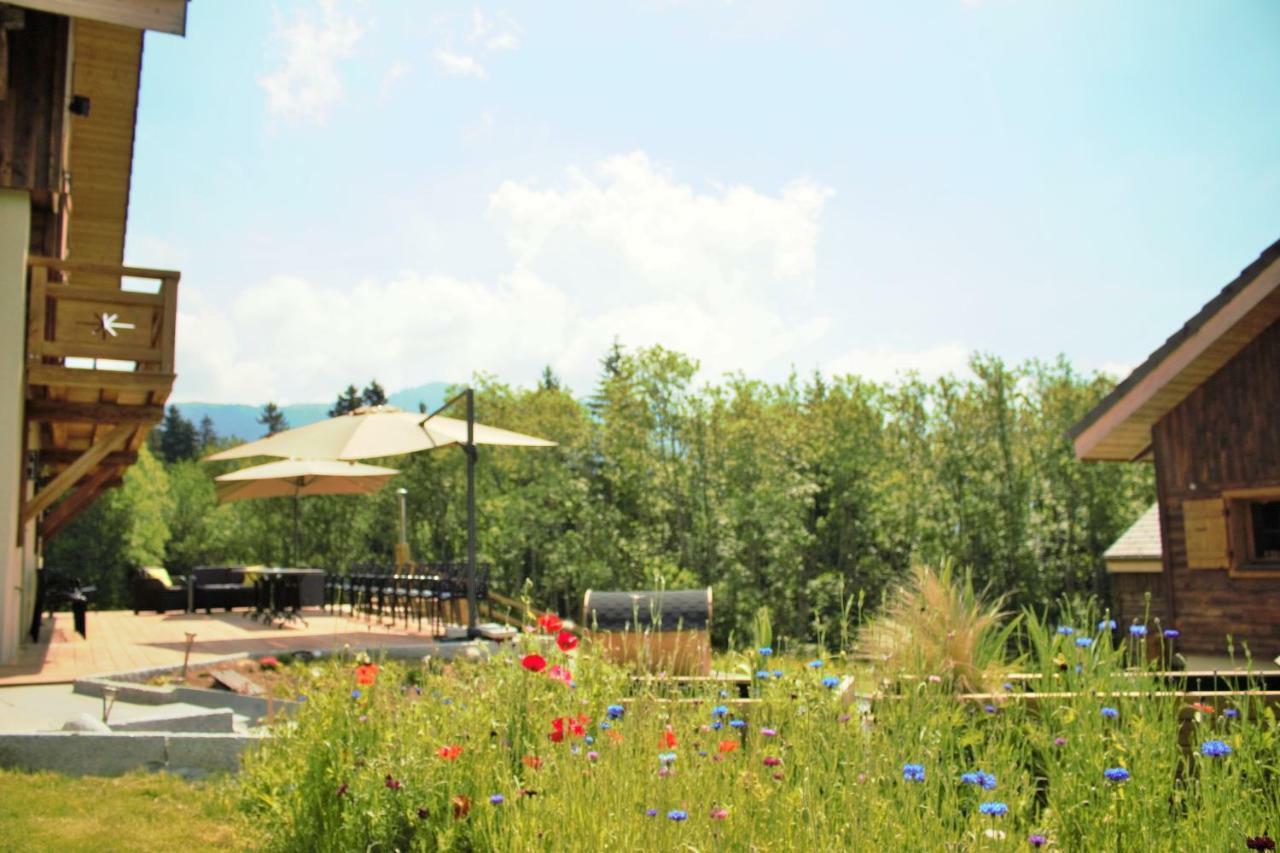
222, 587
154, 589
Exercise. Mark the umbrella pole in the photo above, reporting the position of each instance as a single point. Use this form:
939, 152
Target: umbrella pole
294, 556
473, 604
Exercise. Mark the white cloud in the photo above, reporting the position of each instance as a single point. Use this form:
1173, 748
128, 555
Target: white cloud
886, 365
499, 32
621, 249
395, 72
308, 49
458, 64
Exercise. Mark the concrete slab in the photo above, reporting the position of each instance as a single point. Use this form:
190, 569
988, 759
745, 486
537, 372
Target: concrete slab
46, 707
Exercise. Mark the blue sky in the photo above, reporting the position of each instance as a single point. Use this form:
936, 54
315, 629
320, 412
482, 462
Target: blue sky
420, 191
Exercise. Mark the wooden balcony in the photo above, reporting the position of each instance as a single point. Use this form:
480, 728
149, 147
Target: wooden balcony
100, 348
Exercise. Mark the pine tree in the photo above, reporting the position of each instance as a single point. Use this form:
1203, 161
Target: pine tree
348, 401
177, 437
373, 395
208, 436
549, 380
273, 419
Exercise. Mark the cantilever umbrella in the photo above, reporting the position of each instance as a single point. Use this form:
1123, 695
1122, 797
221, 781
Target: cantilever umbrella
379, 431
297, 478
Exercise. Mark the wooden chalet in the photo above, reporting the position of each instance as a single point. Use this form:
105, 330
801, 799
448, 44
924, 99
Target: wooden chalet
86, 343
1205, 409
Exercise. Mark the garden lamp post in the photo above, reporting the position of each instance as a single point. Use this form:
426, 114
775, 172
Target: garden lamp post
402, 547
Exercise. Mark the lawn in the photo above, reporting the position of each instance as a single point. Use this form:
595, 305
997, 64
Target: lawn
140, 811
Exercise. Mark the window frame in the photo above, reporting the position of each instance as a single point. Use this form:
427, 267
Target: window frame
1240, 532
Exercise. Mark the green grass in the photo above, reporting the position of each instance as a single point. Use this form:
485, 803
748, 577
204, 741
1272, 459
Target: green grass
362, 772
140, 811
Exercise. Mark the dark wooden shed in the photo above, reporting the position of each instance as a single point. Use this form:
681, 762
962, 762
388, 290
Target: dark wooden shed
1205, 409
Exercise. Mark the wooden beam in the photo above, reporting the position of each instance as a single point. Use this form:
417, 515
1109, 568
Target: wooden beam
102, 269
164, 16
58, 456
83, 377
77, 502
47, 411
98, 294
58, 486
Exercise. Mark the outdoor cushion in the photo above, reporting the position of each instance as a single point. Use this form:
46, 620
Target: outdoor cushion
157, 573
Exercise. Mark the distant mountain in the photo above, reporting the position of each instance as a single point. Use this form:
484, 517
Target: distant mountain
241, 420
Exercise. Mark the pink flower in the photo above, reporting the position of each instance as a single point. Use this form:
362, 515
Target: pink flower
772, 761
560, 673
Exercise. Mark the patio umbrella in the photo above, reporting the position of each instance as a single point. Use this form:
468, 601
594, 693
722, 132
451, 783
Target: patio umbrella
299, 477
379, 431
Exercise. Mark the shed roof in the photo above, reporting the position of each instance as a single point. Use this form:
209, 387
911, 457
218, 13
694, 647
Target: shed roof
1119, 427
1141, 541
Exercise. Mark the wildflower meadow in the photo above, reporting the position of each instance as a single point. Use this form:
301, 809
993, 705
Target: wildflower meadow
546, 746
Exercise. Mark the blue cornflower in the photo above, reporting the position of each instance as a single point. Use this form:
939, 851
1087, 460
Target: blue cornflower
604, 725
666, 757
1107, 625
765, 651
830, 681
1231, 713
1110, 713
1008, 685
762, 673
1215, 749
1172, 633
302, 697
719, 710
1084, 642
1138, 630
814, 664
777, 673
1066, 630
993, 808
677, 814
913, 772
615, 712
497, 799
981, 778
717, 725
355, 694
990, 709
1116, 774
589, 739
738, 724
651, 812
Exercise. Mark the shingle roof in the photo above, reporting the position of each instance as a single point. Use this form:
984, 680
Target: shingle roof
1141, 541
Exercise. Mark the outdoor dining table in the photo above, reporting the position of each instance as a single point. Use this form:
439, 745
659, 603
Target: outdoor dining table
270, 583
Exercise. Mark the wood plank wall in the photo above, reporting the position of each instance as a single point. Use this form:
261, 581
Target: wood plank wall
1224, 435
108, 60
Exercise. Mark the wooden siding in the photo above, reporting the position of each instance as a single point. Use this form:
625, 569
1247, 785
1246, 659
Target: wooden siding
1225, 435
107, 63
1129, 597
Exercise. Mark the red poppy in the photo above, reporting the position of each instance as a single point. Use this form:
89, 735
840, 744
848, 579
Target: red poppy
550, 623
450, 752
728, 745
533, 762
574, 726
461, 806
668, 739
1202, 708
534, 663
566, 641
366, 674
560, 673
268, 662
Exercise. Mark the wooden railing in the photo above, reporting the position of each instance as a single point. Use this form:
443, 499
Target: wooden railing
78, 321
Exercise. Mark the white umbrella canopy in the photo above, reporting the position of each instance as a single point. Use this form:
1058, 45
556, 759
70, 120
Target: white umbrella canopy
296, 478
378, 431
300, 478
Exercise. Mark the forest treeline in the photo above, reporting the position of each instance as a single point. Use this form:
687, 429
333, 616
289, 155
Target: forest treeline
800, 496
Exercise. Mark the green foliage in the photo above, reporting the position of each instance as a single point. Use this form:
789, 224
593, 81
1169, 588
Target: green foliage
348, 401
802, 497
272, 419
176, 438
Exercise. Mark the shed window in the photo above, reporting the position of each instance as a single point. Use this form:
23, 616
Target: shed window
1265, 531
